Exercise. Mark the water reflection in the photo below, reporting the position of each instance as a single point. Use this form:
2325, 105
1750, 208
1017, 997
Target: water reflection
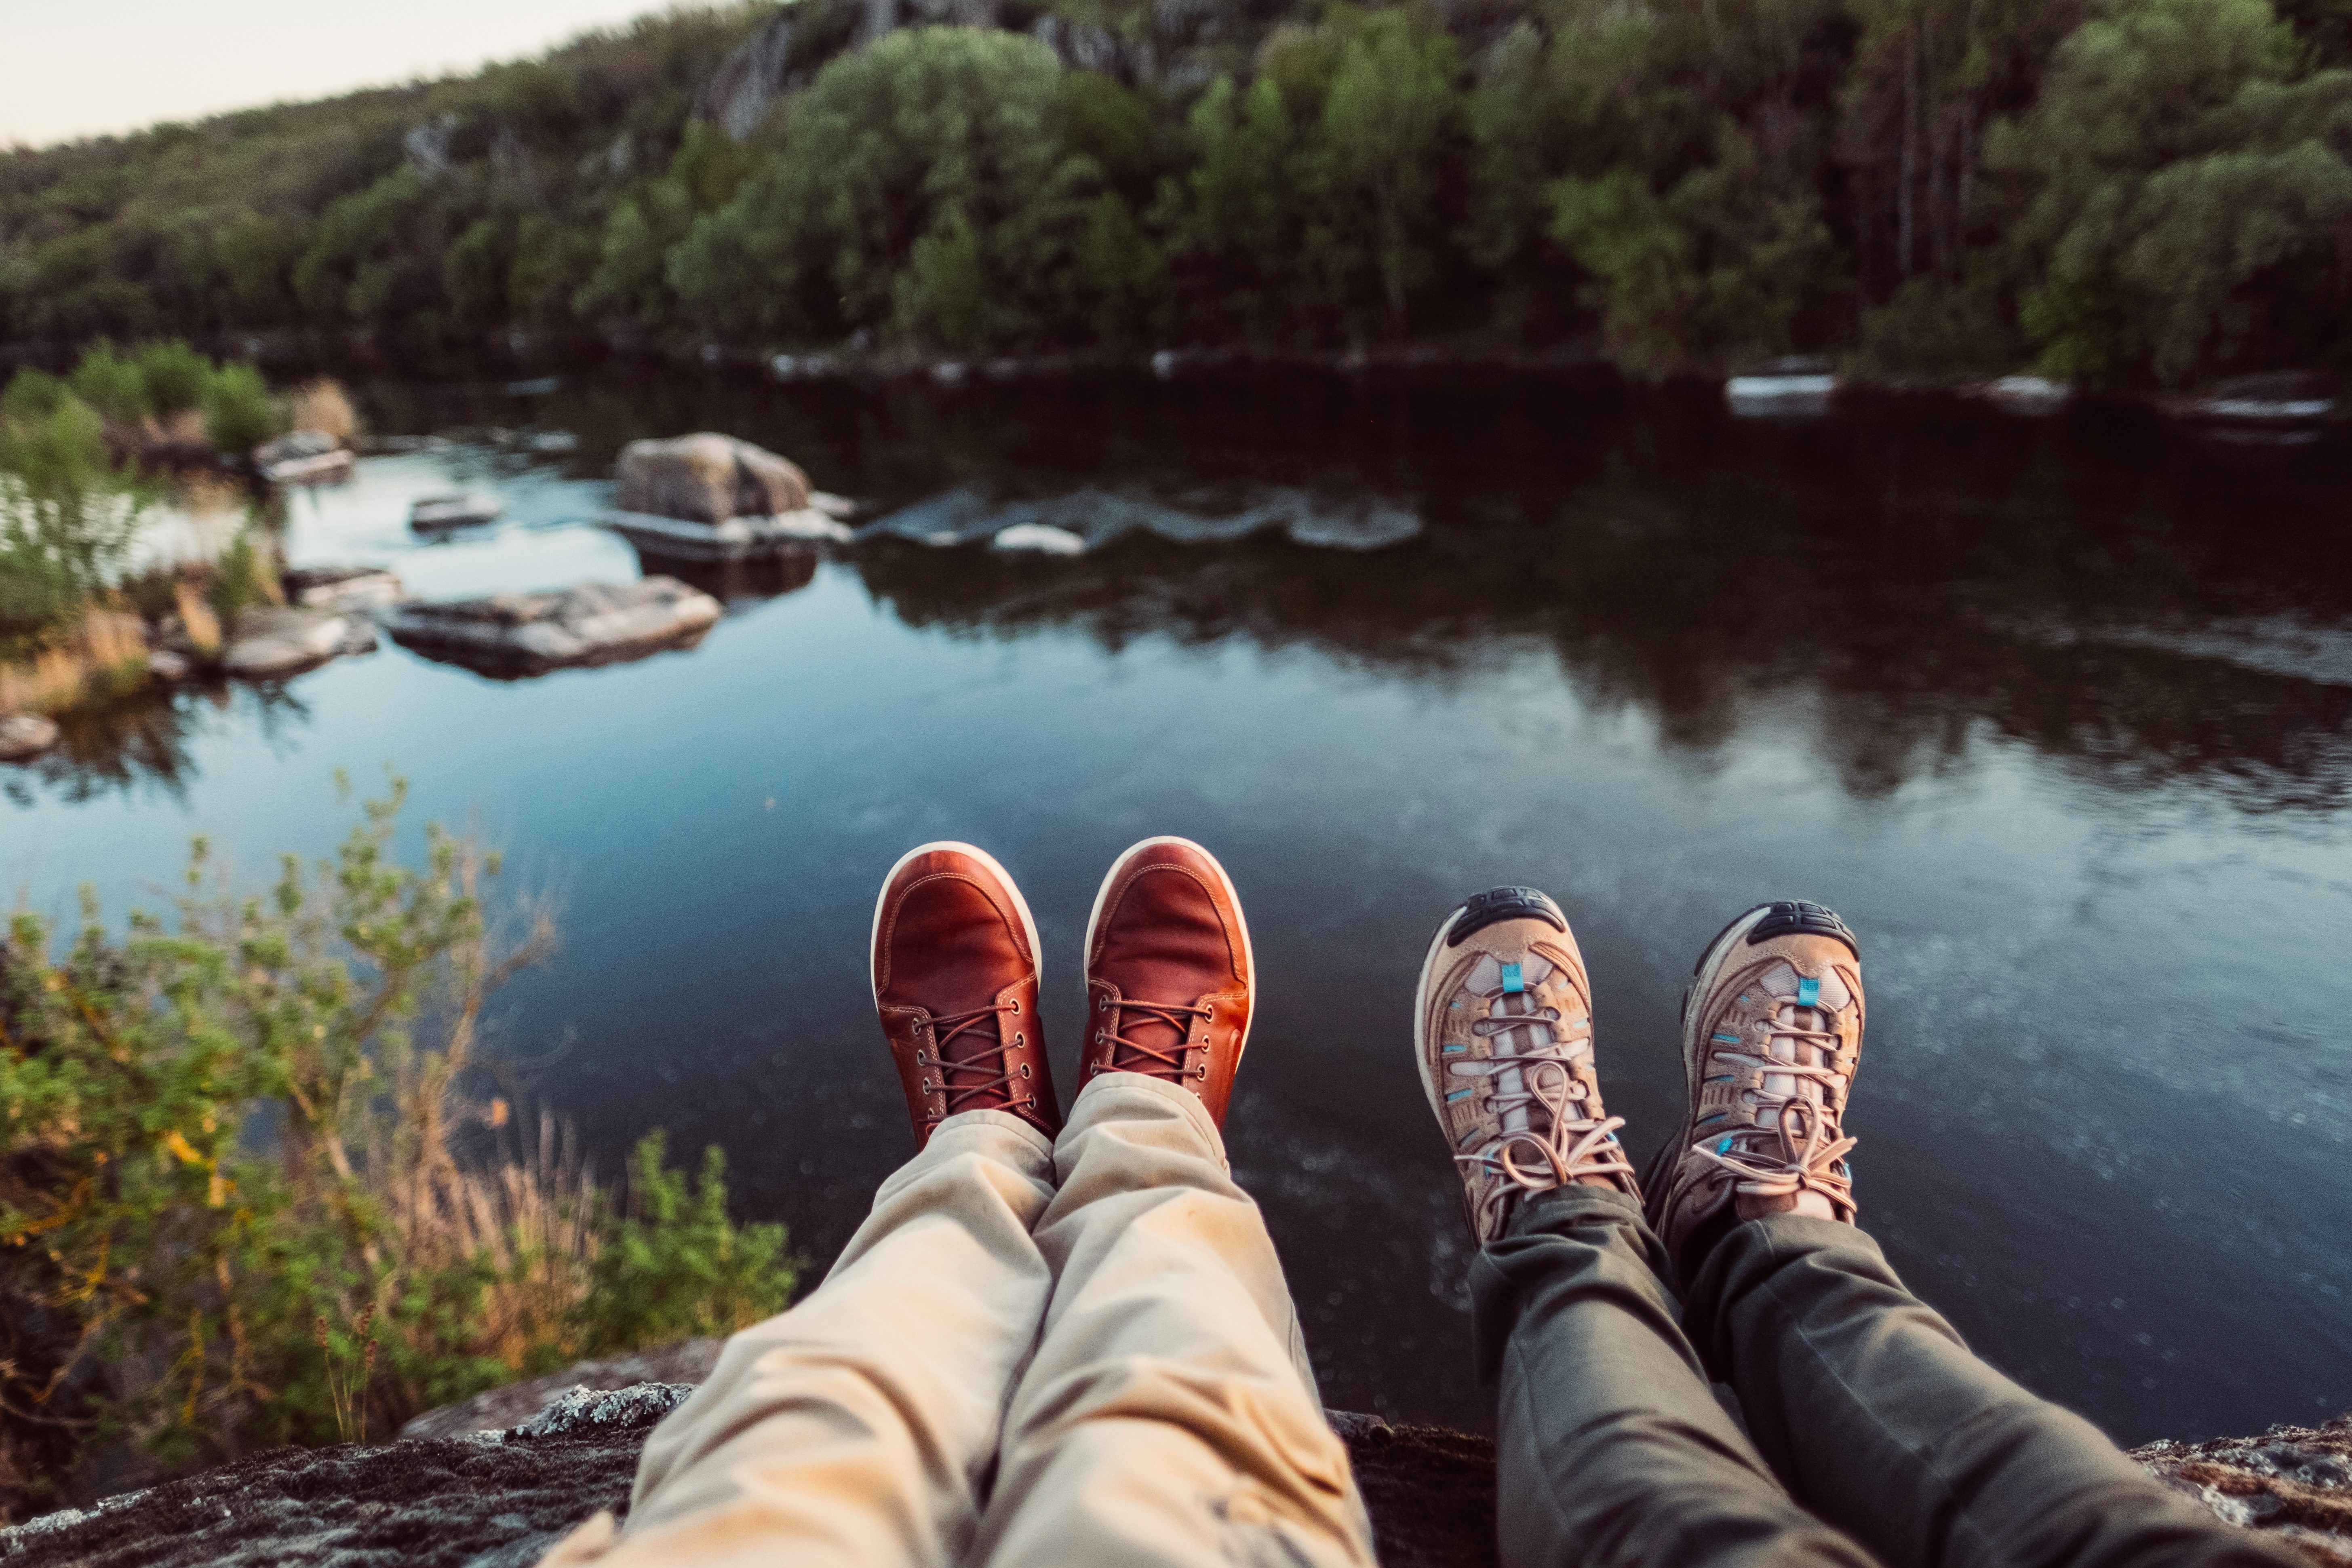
2055, 710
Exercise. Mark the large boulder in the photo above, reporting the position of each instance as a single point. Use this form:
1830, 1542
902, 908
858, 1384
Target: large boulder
708, 477
512, 635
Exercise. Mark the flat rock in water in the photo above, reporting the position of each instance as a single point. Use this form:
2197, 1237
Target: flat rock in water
276, 642
26, 735
513, 634
708, 478
344, 588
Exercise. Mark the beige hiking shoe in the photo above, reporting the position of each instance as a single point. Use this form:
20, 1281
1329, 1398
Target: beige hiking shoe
1503, 1029
1771, 1034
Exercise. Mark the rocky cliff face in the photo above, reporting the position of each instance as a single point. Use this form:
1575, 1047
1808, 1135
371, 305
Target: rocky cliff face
499, 1498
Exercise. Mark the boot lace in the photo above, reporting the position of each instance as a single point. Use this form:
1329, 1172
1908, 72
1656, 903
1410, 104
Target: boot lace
1562, 1142
1145, 1059
947, 1026
1802, 1147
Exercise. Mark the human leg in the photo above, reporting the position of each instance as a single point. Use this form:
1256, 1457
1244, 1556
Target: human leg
860, 1427
1170, 1415
1611, 1448
1867, 1403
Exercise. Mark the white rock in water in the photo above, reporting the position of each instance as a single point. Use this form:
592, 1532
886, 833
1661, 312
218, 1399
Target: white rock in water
26, 735
1039, 538
344, 588
168, 666
530, 633
270, 643
709, 478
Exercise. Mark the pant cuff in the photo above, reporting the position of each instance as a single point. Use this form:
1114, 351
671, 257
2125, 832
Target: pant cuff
1116, 1096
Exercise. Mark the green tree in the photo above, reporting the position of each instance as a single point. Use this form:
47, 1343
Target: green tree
943, 142
1388, 120
2188, 195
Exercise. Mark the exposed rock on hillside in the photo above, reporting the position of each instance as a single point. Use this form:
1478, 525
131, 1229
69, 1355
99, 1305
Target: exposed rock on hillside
513, 634
738, 93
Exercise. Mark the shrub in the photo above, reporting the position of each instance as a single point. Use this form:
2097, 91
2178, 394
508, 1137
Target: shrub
238, 415
66, 514
247, 1147
671, 1233
242, 578
112, 386
173, 377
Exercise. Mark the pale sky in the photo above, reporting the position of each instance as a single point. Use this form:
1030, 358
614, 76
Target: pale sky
83, 68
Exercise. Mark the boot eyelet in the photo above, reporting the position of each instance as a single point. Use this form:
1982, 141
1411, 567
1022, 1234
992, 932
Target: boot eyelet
1099, 1037
919, 1059
1019, 1038
1024, 1069
1016, 1006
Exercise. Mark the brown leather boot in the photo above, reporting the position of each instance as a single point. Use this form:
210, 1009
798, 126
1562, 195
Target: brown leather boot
1771, 1037
1170, 981
955, 983
1502, 1030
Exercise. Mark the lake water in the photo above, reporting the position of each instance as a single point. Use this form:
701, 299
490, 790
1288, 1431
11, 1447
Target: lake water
2054, 713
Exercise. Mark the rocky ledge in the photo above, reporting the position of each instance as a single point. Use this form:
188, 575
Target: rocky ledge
448, 1497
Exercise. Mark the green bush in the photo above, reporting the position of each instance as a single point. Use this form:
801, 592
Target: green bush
674, 1266
66, 513
239, 414
174, 377
111, 384
239, 1144
239, 579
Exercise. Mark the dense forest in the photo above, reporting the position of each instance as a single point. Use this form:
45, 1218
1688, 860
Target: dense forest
2117, 192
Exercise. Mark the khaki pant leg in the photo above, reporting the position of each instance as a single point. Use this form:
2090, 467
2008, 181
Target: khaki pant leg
860, 1427
1170, 1415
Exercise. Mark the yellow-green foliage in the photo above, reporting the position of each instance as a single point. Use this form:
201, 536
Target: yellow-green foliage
249, 1132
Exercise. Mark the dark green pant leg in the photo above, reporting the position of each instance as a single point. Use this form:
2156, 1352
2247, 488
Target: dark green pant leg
1610, 1450
1882, 1422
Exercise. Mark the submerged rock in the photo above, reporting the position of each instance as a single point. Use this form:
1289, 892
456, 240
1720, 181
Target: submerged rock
708, 478
344, 588
275, 642
24, 736
512, 635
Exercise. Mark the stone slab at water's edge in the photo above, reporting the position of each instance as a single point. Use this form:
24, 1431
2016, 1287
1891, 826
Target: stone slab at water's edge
274, 641
517, 634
